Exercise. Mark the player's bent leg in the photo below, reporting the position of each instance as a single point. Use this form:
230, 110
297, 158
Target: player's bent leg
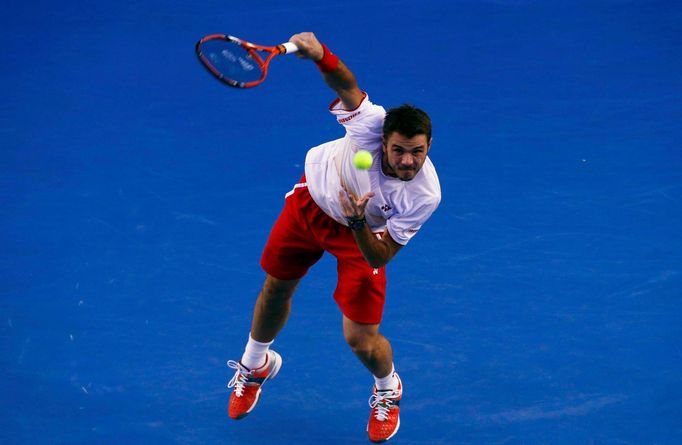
372, 348
270, 315
374, 351
272, 308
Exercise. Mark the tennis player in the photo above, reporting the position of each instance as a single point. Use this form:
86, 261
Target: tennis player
363, 218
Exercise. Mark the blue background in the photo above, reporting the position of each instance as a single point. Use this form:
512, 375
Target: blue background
541, 304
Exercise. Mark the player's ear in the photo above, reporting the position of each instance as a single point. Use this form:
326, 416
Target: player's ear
429, 146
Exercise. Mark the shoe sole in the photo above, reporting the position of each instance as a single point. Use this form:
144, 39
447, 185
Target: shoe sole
275, 370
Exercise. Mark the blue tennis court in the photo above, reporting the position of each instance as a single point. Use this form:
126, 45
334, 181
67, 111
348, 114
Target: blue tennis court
541, 304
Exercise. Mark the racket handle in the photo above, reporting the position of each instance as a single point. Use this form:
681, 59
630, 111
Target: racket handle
288, 48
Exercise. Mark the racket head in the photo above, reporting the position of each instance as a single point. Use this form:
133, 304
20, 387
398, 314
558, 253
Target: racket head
233, 61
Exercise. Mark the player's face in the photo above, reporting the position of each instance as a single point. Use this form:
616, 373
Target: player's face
403, 157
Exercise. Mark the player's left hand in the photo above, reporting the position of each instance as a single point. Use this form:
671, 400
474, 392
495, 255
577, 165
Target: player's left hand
352, 206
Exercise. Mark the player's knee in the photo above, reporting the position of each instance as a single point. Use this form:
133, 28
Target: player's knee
275, 289
360, 342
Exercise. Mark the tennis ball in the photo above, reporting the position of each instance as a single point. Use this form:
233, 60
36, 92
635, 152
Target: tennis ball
362, 160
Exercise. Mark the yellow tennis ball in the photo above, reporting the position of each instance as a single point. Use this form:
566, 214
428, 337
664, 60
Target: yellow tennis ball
362, 160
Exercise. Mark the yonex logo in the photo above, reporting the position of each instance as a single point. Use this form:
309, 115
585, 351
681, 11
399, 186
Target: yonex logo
346, 119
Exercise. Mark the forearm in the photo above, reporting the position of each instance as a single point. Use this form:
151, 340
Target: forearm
335, 73
339, 78
375, 252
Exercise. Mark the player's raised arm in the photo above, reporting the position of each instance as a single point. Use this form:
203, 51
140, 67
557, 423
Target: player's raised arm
335, 72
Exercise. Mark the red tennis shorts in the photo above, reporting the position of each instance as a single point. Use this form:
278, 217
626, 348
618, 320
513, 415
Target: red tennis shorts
302, 233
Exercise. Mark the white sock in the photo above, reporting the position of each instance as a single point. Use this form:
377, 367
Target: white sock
388, 382
254, 353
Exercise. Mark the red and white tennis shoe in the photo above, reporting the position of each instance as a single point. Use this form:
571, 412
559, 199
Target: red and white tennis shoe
247, 384
384, 420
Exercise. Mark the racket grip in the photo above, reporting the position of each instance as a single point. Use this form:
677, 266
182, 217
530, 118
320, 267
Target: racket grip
288, 48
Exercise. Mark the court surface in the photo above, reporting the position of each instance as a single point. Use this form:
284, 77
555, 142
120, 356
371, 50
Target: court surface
540, 305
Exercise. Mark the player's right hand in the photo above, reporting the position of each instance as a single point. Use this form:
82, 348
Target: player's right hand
308, 46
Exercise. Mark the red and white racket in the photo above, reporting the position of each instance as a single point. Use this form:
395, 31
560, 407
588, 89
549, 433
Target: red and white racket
236, 62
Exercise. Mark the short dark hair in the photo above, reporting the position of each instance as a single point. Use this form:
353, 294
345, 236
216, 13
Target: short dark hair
407, 120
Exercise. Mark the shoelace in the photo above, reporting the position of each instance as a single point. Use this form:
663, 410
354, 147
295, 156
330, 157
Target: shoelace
238, 381
382, 403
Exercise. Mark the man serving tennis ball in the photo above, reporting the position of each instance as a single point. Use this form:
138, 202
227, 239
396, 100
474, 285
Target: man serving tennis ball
363, 216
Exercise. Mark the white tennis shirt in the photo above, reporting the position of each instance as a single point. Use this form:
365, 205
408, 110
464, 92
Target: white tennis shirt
401, 206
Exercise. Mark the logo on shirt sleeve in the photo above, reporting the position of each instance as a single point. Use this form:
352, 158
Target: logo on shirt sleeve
343, 120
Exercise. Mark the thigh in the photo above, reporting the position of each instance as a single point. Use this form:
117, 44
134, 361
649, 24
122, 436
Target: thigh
291, 249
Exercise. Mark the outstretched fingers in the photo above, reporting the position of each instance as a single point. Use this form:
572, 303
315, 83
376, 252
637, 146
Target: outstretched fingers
352, 206
362, 202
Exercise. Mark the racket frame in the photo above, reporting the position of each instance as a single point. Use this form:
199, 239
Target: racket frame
252, 49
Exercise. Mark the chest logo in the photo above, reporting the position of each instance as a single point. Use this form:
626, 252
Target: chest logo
385, 207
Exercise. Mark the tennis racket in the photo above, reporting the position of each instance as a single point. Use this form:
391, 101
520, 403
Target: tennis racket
238, 63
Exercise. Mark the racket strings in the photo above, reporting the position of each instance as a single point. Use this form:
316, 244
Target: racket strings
233, 61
